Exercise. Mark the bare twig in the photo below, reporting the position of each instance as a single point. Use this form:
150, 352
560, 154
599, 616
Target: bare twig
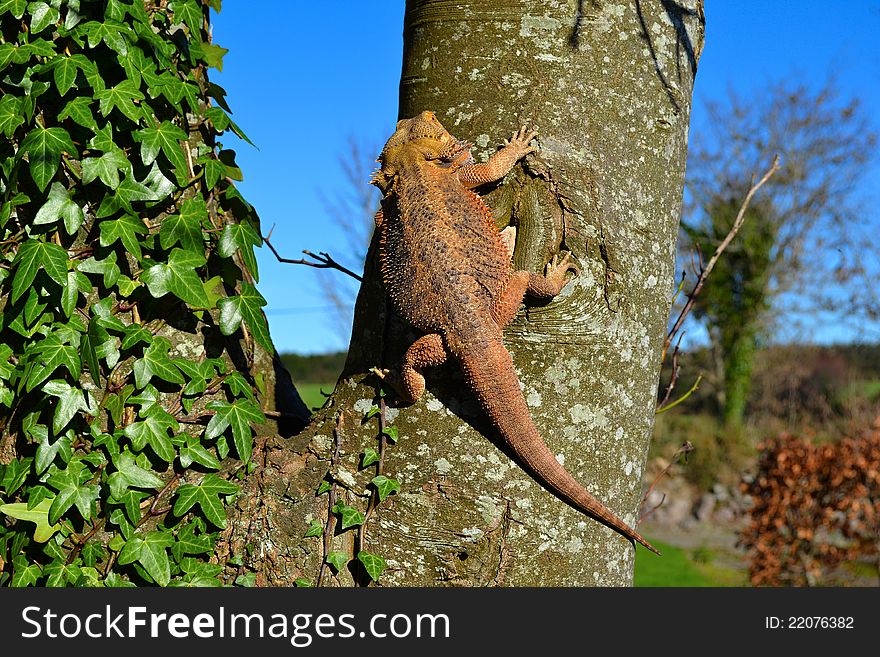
692, 390
707, 269
321, 260
676, 370
684, 450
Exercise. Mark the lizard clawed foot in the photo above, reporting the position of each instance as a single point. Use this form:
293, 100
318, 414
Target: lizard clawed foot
557, 268
520, 141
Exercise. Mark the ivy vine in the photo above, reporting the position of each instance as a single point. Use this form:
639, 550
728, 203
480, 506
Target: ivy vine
342, 516
128, 307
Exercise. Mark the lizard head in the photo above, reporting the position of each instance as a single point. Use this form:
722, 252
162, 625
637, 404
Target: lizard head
423, 136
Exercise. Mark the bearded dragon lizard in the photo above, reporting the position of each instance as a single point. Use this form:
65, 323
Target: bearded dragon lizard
448, 272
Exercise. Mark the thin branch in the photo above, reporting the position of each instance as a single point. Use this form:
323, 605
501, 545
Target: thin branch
380, 466
693, 388
330, 525
684, 450
320, 261
676, 370
707, 269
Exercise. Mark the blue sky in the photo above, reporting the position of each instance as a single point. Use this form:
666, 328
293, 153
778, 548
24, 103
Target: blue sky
304, 78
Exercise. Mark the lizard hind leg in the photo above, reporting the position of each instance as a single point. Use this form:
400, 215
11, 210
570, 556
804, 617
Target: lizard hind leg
409, 383
505, 306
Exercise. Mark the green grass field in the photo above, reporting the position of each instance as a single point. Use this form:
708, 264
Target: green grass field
683, 567
311, 393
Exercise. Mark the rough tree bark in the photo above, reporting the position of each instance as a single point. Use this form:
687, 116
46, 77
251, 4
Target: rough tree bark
609, 86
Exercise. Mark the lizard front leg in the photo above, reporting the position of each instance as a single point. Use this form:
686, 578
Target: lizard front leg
474, 175
409, 383
541, 287
551, 283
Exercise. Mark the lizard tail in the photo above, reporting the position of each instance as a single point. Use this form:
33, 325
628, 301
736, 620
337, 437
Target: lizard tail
490, 373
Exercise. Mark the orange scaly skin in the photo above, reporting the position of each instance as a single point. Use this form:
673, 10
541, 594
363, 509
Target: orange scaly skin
448, 273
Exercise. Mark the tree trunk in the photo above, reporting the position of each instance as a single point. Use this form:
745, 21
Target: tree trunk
609, 88
739, 357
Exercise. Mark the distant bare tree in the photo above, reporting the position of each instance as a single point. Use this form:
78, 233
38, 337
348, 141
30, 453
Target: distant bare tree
351, 207
801, 249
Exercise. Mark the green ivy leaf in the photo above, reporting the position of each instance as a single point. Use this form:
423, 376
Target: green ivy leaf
37, 494
136, 64
122, 97
247, 580
156, 362
115, 403
103, 311
153, 430
65, 71
373, 564
14, 7
106, 267
134, 334
129, 473
44, 147
189, 543
349, 515
39, 515
302, 583
239, 414
315, 529
106, 167
338, 560
42, 16
323, 487
213, 54
205, 494
246, 306
72, 491
11, 115
385, 486
370, 456
70, 401
227, 158
195, 452
184, 229
24, 573
61, 574
51, 353
125, 229
240, 237
95, 336
390, 432
46, 453
179, 277
79, 111
14, 475
59, 205
190, 14
165, 137
31, 257
213, 170
110, 32
149, 551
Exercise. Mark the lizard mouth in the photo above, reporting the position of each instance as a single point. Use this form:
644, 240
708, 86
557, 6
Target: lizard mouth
453, 149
